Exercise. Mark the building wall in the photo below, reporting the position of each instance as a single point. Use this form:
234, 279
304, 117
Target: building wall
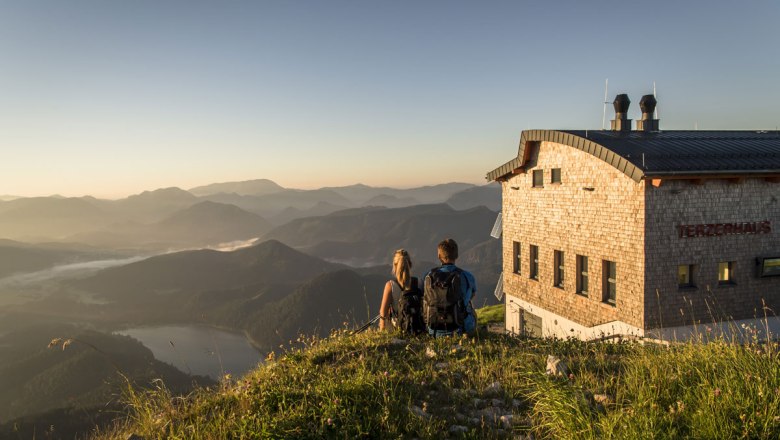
679, 202
606, 223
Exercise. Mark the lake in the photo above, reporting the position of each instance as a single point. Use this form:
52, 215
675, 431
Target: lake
199, 350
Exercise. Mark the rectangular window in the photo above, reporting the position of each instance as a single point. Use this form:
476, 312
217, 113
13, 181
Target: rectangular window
769, 266
685, 275
533, 271
582, 275
516, 257
559, 268
538, 178
609, 290
555, 176
726, 272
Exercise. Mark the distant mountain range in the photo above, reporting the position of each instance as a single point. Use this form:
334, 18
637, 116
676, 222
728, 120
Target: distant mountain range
202, 224
18, 257
138, 220
368, 236
258, 187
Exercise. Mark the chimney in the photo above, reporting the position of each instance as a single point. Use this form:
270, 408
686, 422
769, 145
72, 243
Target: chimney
621, 121
647, 123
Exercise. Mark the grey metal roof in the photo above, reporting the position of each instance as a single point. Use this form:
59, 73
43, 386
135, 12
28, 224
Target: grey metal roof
665, 153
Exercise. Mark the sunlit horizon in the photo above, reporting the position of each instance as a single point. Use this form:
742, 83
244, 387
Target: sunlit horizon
115, 98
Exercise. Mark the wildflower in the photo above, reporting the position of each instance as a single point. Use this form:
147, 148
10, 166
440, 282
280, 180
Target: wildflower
425, 406
385, 374
571, 376
66, 343
54, 342
717, 392
329, 421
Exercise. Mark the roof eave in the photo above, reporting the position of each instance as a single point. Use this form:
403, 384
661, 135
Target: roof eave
713, 173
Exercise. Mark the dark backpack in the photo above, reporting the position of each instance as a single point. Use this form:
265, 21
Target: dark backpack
443, 307
410, 319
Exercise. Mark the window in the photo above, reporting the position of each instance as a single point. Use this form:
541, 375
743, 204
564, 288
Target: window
685, 275
555, 176
516, 257
582, 275
533, 271
769, 266
559, 268
538, 178
725, 272
610, 282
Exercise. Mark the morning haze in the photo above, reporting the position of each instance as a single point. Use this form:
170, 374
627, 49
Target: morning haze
186, 187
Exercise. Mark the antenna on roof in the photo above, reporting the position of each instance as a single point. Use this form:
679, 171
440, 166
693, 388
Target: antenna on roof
655, 116
604, 112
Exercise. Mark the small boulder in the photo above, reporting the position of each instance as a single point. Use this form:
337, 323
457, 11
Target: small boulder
506, 421
416, 410
556, 366
494, 389
398, 342
458, 429
430, 353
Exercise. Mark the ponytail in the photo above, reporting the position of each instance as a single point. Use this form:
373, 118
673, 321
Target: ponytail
402, 268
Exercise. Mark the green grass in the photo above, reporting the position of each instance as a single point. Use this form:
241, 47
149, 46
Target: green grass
374, 386
490, 314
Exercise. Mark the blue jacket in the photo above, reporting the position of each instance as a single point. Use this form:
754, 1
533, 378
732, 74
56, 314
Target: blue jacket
469, 289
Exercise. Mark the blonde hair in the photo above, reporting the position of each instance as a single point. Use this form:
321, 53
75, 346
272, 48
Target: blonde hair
402, 266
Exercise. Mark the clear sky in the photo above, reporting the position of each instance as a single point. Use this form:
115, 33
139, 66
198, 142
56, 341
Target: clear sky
114, 97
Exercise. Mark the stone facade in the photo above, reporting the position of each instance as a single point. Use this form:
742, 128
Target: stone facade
599, 212
596, 211
716, 201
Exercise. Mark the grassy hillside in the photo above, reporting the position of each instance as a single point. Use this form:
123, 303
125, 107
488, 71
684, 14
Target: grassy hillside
85, 375
374, 385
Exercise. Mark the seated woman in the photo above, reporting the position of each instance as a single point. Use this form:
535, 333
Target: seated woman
402, 279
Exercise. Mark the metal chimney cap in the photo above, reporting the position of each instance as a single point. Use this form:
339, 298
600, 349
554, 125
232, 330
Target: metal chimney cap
621, 103
647, 104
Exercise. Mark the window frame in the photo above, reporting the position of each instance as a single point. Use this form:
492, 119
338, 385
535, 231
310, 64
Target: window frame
553, 173
533, 262
729, 273
516, 257
582, 275
609, 284
559, 266
691, 272
537, 182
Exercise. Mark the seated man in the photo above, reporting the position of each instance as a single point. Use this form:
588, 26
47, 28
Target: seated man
447, 296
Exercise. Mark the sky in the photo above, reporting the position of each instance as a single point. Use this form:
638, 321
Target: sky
111, 98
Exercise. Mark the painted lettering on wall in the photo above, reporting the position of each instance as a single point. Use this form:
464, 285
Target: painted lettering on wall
718, 229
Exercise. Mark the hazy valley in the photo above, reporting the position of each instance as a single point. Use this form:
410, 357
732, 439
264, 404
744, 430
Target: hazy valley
250, 257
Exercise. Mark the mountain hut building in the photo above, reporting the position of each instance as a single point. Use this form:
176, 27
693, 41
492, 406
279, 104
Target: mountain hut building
643, 232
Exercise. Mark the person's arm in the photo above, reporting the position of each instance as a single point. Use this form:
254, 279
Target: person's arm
387, 304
